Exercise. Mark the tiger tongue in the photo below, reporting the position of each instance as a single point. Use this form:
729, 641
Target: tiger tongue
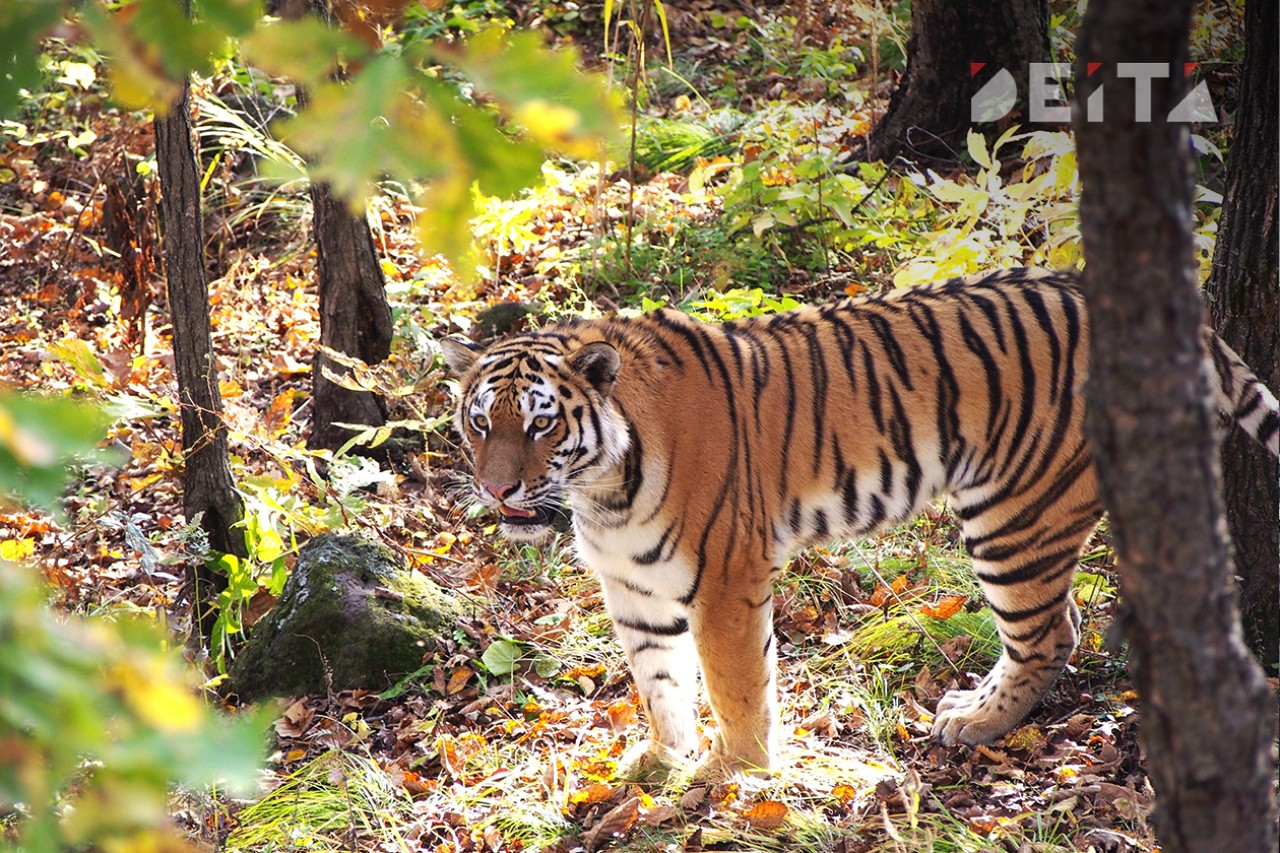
518, 513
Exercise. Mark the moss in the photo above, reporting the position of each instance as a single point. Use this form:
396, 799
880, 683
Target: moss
350, 615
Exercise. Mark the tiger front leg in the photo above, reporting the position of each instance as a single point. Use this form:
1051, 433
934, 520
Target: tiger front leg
655, 635
733, 627
1038, 641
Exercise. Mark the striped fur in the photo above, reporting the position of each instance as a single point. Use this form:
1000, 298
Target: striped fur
696, 458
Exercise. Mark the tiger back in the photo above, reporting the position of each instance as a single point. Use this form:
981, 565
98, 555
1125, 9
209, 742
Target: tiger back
696, 458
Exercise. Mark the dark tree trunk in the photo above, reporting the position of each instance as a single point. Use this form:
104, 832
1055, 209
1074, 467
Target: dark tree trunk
1208, 717
354, 318
1244, 303
929, 114
208, 490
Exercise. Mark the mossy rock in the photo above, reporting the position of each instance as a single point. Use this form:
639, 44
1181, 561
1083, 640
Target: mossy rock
350, 609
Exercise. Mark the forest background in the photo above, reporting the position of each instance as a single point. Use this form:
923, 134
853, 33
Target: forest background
736, 186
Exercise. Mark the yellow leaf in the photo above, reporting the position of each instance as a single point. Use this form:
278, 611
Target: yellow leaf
229, 389
15, 549
157, 697
978, 149
915, 272
295, 755
137, 484
1026, 739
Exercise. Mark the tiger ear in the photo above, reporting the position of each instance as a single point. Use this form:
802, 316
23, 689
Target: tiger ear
598, 362
459, 354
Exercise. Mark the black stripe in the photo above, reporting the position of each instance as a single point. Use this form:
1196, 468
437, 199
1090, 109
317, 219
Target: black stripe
676, 628
1032, 570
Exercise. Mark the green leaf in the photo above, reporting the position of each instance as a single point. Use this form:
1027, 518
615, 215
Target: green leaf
542, 89
307, 50
501, 657
22, 24
41, 439
76, 354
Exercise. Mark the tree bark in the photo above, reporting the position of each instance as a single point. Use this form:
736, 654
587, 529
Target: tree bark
1244, 304
929, 114
354, 318
1208, 719
209, 492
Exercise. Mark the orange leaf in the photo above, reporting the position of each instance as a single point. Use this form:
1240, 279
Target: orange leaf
621, 715
280, 414
946, 608
844, 793
596, 792
894, 590
766, 814
457, 680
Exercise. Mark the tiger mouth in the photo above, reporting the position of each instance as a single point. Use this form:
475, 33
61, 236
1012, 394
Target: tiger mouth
524, 517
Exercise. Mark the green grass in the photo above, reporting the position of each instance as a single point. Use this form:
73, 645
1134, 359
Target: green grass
332, 802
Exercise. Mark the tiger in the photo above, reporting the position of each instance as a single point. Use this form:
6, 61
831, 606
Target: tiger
695, 458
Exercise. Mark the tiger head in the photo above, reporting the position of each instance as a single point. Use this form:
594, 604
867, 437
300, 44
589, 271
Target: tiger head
536, 413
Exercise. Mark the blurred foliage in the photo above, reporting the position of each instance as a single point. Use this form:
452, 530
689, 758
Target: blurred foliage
97, 717
39, 438
480, 112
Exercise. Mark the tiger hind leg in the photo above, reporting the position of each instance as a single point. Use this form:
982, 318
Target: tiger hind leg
1026, 572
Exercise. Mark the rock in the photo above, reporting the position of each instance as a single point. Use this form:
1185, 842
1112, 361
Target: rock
350, 608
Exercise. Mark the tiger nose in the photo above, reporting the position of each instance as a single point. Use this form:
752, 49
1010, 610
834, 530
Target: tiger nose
499, 490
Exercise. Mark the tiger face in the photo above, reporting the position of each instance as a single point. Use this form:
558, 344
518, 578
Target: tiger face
536, 415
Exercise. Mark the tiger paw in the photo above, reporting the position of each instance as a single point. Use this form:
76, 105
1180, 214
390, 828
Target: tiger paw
650, 764
974, 716
716, 767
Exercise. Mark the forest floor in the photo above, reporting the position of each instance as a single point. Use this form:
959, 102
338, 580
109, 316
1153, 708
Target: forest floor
744, 195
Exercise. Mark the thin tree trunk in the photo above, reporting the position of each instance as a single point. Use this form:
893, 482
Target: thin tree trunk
1244, 303
209, 492
354, 318
929, 114
1208, 720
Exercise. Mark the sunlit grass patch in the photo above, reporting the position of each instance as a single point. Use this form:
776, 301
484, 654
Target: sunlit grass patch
337, 800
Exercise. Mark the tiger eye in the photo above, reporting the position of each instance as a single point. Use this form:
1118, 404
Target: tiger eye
541, 422
479, 423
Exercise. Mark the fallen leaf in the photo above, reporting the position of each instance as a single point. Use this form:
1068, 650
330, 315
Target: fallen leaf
615, 823
457, 680
766, 814
295, 720
946, 608
1026, 739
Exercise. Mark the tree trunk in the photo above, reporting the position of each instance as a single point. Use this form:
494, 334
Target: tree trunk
1244, 303
209, 492
930, 112
1208, 720
354, 318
